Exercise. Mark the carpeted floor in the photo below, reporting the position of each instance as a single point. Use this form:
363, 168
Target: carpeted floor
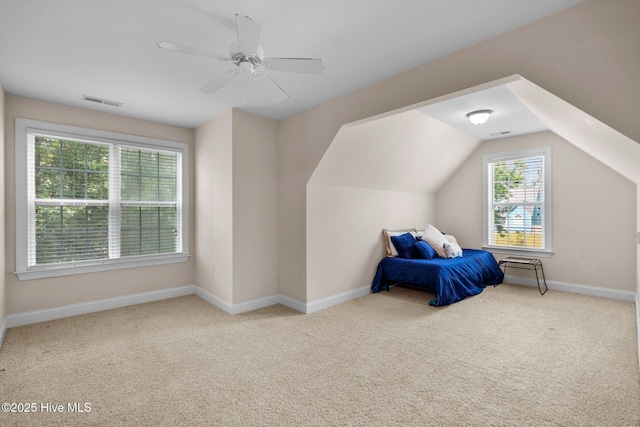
507, 357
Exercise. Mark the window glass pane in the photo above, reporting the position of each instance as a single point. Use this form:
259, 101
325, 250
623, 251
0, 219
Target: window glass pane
148, 230
64, 169
98, 158
167, 164
98, 185
74, 155
47, 184
149, 188
148, 163
47, 152
518, 226
501, 191
148, 176
71, 233
130, 232
129, 187
517, 202
72, 218
73, 186
167, 189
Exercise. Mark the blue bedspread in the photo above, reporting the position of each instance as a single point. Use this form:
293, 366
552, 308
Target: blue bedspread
452, 279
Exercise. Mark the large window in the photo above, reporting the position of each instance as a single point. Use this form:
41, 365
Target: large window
517, 194
91, 200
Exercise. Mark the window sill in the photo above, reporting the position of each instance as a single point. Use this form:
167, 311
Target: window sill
537, 253
106, 265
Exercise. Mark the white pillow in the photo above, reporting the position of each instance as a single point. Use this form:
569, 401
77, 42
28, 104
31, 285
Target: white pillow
388, 244
436, 240
451, 239
453, 250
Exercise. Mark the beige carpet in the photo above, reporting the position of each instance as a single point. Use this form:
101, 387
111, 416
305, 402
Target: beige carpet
508, 357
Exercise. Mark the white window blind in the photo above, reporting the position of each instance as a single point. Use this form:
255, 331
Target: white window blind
95, 202
517, 195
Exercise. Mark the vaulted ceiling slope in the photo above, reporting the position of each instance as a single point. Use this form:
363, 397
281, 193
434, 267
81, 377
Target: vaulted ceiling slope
408, 150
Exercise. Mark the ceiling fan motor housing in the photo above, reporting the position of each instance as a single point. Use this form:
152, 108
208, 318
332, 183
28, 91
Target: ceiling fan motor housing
246, 54
239, 57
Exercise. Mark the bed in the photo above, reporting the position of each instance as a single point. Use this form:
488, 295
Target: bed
452, 279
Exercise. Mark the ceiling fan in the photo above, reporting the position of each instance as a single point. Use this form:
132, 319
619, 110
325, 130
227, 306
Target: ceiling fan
248, 57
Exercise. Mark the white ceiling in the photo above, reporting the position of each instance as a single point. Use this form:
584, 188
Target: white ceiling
510, 116
60, 50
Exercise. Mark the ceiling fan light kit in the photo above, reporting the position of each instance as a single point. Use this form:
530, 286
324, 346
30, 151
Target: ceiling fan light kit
248, 57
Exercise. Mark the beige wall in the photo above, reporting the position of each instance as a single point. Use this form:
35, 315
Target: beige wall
30, 295
255, 207
237, 207
377, 174
587, 55
400, 152
593, 213
214, 207
344, 233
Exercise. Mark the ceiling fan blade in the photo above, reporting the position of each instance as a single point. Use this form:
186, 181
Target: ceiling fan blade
270, 88
219, 82
248, 34
191, 50
295, 65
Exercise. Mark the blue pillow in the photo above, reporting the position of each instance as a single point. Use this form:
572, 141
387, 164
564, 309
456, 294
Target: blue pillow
425, 250
405, 245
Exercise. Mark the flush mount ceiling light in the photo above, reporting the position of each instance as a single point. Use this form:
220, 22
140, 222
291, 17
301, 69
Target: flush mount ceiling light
479, 117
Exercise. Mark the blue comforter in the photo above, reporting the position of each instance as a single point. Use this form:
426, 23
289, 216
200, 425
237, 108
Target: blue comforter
452, 279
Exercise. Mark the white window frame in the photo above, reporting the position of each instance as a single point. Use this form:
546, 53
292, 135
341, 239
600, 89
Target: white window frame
547, 250
23, 128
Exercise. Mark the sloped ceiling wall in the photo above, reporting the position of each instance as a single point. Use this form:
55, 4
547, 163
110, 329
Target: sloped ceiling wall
410, 151
407, 152
619, 152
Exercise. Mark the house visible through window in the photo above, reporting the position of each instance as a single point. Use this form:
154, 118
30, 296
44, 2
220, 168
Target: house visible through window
90, 200
518, 200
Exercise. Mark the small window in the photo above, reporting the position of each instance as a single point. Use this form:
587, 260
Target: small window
92, 200
517, 195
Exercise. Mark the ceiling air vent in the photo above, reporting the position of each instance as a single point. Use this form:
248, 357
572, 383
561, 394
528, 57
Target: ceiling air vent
504, 132
101, 101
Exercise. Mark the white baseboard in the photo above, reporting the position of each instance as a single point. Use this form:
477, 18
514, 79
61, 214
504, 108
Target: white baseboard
293, 304
90, 307
31, 317
327, 302
574, 288
242, 307
213, 300
3, 332
255, 304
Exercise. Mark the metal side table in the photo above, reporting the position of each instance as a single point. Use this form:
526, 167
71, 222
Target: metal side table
526, 264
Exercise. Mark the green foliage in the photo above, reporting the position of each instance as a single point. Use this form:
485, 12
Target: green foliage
62, 231
71, 170
506, 176
80, 171
147, 176
148, 230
